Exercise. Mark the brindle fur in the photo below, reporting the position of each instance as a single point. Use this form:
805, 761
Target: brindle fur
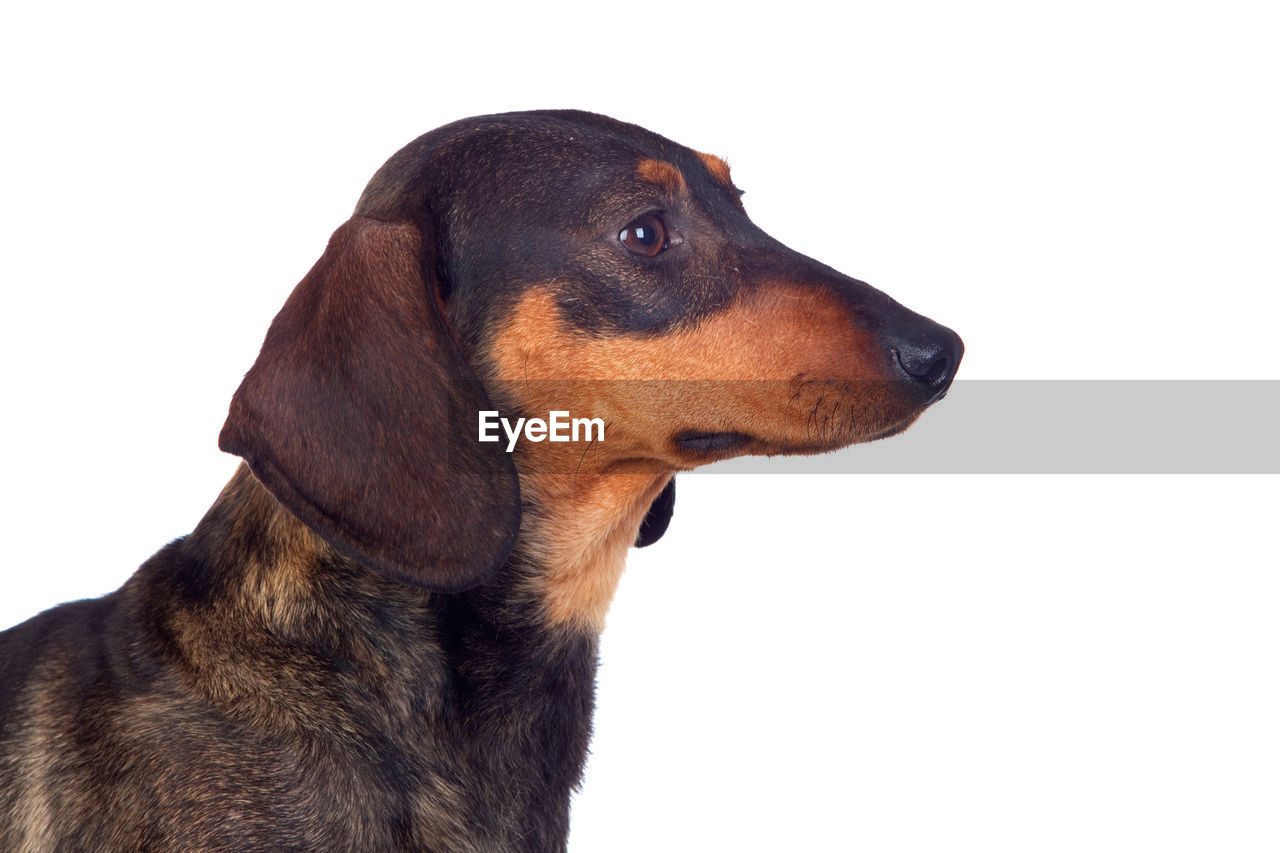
354, 649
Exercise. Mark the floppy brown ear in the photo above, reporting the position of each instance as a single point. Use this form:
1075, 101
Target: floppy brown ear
360, 417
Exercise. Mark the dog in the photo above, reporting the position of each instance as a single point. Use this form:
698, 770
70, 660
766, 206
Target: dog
383, 634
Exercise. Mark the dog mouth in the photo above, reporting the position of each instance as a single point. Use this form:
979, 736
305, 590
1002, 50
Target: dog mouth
892, 430
818, 417
700, 442
709, 445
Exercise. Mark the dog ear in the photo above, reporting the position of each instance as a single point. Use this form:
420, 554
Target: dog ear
658, 518
360, 417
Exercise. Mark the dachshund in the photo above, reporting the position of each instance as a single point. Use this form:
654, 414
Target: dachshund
383, 634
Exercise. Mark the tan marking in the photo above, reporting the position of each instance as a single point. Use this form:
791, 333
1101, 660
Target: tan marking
662, 173
32, 760
784, 364
238, 658
757, 367
772, 332
718, 168
440, 813
277, 551
579, 529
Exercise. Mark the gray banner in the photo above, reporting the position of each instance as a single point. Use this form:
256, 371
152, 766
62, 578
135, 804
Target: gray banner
1070, 427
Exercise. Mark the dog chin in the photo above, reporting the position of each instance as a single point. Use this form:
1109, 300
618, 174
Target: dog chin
891, 430
709, 446
858, 434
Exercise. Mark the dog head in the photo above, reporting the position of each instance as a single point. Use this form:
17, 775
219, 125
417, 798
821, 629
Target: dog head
541, 261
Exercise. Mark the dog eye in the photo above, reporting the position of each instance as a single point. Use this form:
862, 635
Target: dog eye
646, 237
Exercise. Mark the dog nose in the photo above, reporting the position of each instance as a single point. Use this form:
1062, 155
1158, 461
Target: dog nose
927, 354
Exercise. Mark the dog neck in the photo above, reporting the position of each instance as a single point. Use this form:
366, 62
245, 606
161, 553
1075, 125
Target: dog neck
576, 532
269, 624
252, 577
259, 612
260, 559
578, 529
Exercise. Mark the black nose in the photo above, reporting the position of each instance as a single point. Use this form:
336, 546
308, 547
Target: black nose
927, 354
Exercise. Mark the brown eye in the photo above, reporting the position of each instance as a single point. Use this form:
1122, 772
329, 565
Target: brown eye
645, 237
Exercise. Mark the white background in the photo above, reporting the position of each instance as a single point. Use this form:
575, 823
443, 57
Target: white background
915, 663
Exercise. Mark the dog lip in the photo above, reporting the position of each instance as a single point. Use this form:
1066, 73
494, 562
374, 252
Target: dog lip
887, 432
699, 441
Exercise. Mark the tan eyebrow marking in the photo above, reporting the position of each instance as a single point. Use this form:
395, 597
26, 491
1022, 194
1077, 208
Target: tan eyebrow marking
718, 168
662, 173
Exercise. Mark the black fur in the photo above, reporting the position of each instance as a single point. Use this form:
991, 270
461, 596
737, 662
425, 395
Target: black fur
388, 718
